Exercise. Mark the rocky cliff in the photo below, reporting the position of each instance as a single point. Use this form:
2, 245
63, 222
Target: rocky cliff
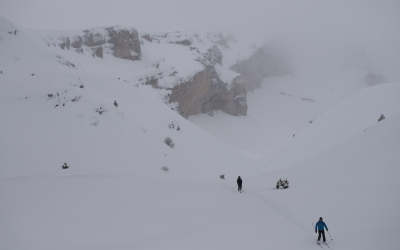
206, 92
121, 42
193, 71
210, 87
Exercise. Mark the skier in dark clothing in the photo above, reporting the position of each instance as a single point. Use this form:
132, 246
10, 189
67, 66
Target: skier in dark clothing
239, 182
320, 224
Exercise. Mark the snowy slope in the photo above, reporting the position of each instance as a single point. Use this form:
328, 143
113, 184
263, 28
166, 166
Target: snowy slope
343, 166
280, 108
350, 118
352, 185
49, 108
54, 111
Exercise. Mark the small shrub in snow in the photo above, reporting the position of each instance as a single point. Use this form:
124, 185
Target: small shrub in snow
115, 103
164, 168
81, 86
174, 125
222, 176
65, 166
100, 110
76, 98
169, 142
381, 118
282, 184
95, 123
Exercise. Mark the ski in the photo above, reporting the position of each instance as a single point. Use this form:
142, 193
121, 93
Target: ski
319, 244
326, 244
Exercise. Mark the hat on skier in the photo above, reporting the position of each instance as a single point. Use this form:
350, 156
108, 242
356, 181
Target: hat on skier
320, 218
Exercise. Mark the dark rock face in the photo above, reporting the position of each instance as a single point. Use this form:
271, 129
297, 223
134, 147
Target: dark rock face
147, 37
214, 55
91, 39
77, 43
124, 42
185, 42
98, 51
206, 92
66, 43
252, 70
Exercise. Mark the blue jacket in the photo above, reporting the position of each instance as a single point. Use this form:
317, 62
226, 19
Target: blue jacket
320, 225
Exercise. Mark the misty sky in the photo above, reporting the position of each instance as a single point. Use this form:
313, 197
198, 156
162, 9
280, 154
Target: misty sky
318, 25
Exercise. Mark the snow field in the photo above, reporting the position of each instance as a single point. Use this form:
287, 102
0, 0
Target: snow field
343, 166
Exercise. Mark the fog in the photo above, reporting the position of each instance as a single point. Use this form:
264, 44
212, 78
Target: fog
318, 35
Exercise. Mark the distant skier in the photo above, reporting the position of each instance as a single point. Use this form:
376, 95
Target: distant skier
239, 182
320, 224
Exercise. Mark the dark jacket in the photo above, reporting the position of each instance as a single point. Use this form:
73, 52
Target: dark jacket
239, 181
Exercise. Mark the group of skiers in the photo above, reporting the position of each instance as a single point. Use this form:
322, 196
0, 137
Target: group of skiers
320, 224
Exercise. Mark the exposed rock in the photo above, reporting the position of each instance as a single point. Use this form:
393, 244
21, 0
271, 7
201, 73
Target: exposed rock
91, 38
252, 70
206, 92
185, 42
125, 41
153, 81
66, 43
147, 37
214, 55
77, 43
98, 51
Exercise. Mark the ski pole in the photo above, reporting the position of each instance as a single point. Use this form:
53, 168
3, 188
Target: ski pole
329, 234
234, 186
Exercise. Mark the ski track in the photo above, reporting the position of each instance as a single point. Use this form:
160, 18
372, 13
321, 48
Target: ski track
285, 214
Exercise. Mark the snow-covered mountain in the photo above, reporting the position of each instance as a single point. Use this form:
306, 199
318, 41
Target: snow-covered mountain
194, 71
107, 118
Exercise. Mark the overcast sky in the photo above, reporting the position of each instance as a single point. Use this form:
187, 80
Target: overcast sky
320, 25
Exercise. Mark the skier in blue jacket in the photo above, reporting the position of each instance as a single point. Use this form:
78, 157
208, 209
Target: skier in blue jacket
320, 224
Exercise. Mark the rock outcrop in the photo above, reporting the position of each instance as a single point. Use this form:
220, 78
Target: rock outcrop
126, 43
206, 92
212, 86
123, 43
